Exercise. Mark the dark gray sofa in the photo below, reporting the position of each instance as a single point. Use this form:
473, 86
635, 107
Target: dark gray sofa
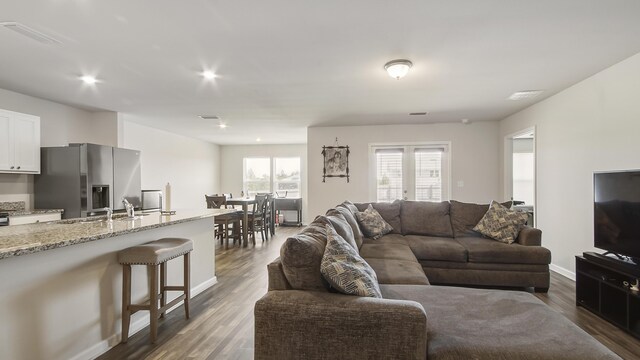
439, 237
300, 317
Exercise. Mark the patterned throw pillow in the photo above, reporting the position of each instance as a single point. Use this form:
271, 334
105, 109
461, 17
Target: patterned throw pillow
345, 270
372, 224
500, 223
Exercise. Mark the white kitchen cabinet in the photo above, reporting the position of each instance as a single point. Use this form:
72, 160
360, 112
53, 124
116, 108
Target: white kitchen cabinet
33, 218
19, 143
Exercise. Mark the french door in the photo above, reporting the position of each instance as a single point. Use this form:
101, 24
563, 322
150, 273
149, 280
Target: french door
410, 172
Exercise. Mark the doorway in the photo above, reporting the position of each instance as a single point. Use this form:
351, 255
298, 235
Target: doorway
520, 171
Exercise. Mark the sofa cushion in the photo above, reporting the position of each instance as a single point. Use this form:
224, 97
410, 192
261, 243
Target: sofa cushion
436, 248
387, 239
489, 251
345, 270
392, 271
501, 224
372, 224
387, 251
353, 222
390, 212
342, 227
350, 206
465, 216
426, 218
468, 323
301, 256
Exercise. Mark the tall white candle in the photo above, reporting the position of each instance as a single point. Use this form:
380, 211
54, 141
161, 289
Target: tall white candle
167, 197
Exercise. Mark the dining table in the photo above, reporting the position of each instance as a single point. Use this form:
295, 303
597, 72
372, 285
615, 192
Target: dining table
244, 202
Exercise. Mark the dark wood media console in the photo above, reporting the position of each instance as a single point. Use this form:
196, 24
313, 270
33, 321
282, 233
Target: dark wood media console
600, 289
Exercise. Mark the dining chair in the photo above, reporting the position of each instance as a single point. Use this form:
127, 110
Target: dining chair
223, 221
257, 217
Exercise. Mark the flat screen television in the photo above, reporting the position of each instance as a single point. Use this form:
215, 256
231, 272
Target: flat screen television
617, 212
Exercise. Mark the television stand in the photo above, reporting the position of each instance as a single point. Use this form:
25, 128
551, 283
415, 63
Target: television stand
604, 289
620, 257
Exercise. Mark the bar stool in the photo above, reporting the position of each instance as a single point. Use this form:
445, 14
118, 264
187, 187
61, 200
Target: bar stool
153, 254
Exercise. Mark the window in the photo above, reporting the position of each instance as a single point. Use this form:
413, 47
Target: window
428, 170
266, 175
287, 176
257, 175
411, 172
389, 174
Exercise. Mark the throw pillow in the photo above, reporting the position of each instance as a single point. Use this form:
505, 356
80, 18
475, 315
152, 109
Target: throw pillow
500, 223
372, 224
345, 270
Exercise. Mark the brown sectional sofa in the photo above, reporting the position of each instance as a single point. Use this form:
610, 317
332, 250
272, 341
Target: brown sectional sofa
301, 318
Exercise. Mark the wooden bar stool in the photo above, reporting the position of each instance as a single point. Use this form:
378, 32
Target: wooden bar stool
154, 254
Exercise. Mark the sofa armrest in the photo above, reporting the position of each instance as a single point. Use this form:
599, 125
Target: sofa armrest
529, 236
295, 324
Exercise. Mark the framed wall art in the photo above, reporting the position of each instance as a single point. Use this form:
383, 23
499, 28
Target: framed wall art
336, 162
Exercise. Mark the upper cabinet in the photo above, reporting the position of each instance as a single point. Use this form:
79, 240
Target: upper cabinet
19, 143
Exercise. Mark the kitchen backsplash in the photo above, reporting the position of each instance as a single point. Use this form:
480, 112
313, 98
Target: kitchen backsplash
12, 205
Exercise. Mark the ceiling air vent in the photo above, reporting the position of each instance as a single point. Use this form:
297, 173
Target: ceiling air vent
418, 114
29, 32
209, 117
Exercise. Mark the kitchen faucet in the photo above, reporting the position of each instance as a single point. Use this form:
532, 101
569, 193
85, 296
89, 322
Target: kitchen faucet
109, 213
129, 207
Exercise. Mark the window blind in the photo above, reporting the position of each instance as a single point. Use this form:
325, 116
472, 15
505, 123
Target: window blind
389, 173
428, 172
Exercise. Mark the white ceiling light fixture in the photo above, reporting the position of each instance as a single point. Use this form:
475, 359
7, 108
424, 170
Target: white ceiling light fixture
258, 139
465, 121
222, 125
525, 94
29, 32
397, 69
88, 79
208, 74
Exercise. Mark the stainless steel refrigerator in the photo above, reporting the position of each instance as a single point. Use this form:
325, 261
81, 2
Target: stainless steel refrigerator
83, 179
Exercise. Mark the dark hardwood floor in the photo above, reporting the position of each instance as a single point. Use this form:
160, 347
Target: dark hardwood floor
221, 324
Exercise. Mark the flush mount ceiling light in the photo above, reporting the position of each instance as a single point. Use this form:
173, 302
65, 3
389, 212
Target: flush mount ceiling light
525, 94
258, 139
398, 68
88, 79
29, 32
222, 126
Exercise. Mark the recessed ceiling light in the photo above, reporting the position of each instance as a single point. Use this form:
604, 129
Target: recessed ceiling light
258, 139
465, 121
209, 117
418, 114
525, 94
88, 79
222, 126
209, 75
398, 68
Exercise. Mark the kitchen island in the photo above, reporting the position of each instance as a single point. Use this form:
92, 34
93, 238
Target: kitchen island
62, 284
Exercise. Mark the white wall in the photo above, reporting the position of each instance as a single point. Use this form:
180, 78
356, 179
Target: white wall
191, 166
474, 160
591, 126
232, 165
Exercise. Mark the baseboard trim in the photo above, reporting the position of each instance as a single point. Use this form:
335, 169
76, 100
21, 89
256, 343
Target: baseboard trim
113, 340
562, 271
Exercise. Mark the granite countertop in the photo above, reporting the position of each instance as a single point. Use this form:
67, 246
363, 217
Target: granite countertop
31, 238
32, 212
18, 208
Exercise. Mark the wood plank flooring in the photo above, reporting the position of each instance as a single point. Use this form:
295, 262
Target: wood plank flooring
221, 324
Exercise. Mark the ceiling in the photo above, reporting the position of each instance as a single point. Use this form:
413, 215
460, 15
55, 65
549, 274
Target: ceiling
283, 66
